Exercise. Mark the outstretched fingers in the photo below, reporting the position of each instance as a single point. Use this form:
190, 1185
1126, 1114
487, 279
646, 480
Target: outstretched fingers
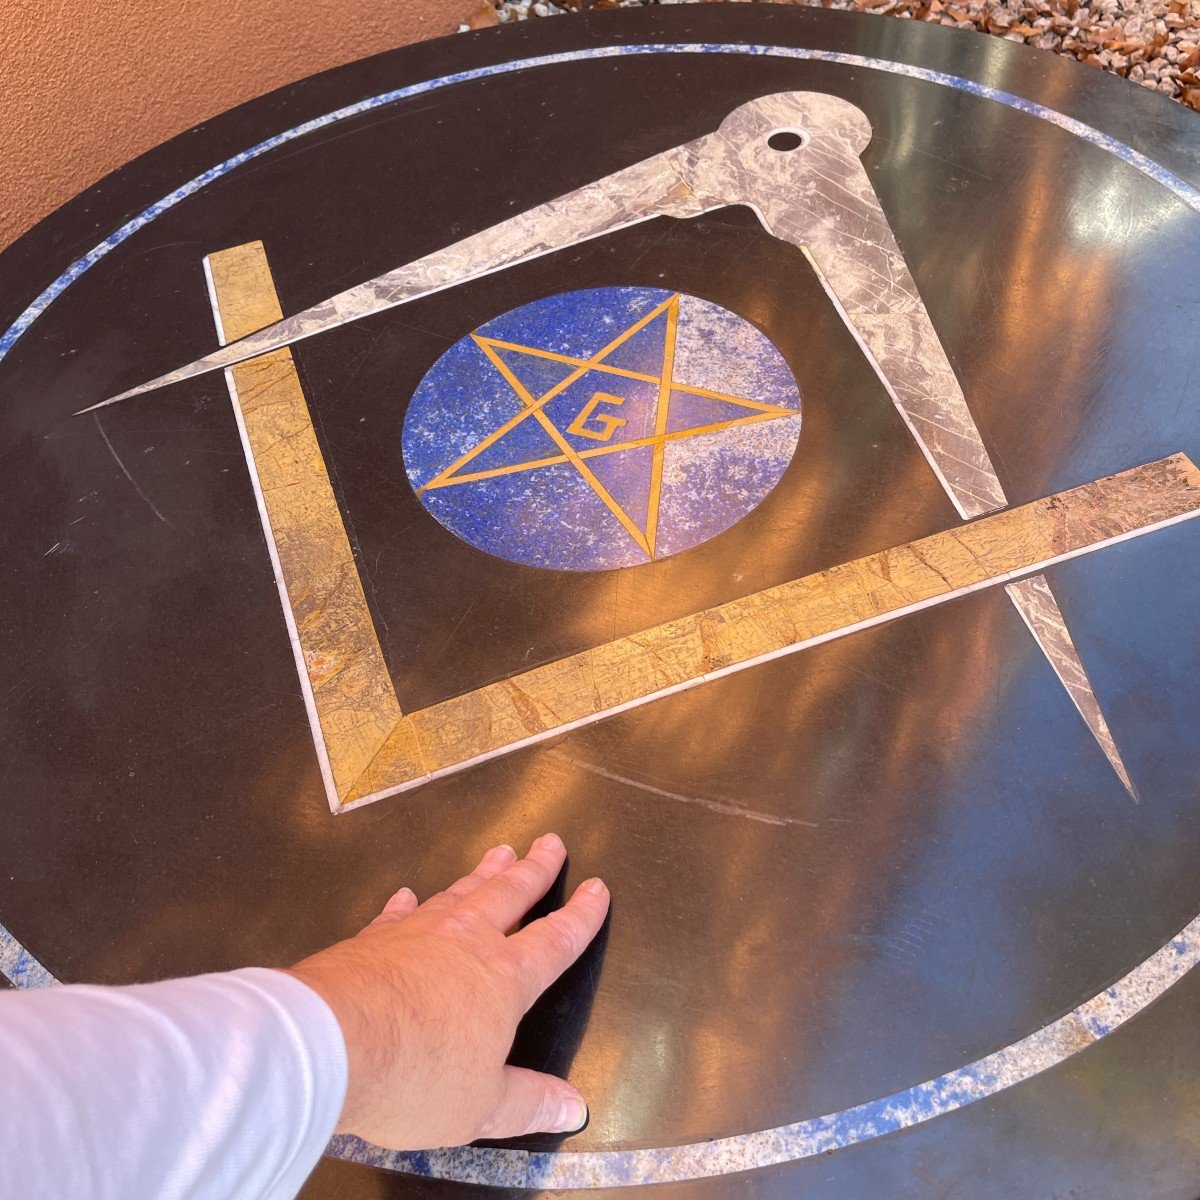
404, 903
497, 859
536, 1103
508, 895
544, 949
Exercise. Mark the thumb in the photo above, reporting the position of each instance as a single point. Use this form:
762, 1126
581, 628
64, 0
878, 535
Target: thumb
536, 1103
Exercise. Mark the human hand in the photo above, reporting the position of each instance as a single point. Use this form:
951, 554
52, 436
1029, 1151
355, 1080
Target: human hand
429, 996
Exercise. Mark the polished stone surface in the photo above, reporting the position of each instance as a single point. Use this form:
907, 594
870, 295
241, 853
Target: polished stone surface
837, 875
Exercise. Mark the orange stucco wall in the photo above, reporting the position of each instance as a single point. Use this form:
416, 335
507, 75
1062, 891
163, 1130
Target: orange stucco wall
85, 85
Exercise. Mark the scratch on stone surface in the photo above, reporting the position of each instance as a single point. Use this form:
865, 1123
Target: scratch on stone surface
458, 624
125, 471
725, 807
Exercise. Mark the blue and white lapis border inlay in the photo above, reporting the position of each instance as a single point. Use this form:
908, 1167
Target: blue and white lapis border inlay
1049, 1046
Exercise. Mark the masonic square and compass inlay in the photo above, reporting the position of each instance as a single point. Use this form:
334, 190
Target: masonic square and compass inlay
580, 480
369, 748
601, 428
794, 158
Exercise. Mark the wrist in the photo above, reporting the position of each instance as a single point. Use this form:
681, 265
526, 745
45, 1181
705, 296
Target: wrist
347, 978
315, 983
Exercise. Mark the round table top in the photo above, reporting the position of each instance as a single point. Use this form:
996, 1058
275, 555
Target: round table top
798, 524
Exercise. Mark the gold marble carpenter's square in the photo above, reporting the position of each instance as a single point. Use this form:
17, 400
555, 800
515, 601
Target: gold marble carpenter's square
369, 748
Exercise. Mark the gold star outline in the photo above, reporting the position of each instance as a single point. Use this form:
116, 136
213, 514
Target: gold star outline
533, 408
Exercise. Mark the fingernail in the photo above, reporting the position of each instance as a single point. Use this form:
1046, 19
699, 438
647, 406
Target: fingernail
550, 841
572, 1116
502, 852
406, 893
594, 886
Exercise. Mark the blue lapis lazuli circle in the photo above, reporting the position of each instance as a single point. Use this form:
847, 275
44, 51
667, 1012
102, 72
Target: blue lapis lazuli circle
604, 428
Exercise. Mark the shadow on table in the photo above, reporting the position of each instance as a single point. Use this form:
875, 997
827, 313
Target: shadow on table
549, 1037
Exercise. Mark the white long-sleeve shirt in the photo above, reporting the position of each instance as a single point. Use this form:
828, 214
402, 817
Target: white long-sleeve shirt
219, 1086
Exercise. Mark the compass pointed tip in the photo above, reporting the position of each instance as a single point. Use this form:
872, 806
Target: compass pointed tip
83, 412
1123, 775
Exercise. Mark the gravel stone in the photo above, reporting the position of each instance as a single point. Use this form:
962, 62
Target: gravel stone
1155, 43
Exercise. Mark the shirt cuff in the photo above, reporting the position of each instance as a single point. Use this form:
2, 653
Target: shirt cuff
315, 1033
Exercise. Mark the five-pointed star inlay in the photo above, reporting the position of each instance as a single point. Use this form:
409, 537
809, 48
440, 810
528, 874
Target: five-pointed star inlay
601, 427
